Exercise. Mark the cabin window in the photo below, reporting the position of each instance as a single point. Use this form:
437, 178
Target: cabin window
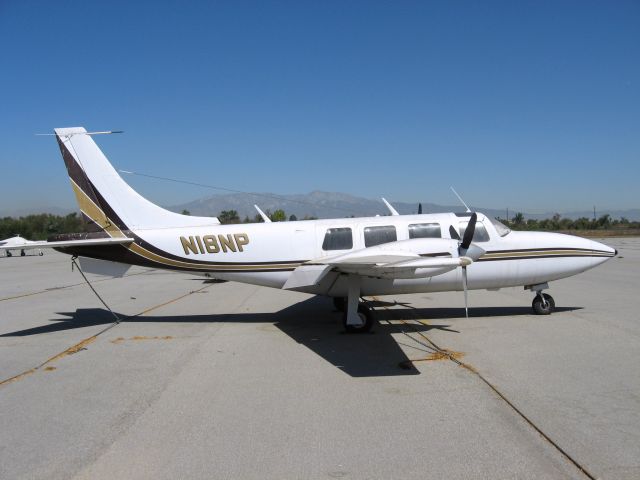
338, 239
378, 235
480, 234
425, 230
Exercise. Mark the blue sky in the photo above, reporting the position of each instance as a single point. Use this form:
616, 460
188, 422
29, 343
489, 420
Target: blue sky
531, 105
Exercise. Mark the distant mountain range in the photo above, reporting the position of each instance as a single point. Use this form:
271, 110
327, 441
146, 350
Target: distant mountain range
324, 205
332, 205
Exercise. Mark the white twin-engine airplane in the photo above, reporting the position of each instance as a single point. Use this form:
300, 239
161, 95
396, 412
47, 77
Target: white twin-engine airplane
344, 258
20, 244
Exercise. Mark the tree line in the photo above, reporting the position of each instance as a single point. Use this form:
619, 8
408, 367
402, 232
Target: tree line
228, 217
557, 223
41, 226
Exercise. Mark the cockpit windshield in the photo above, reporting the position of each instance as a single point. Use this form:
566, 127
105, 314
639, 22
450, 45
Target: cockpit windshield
500, 227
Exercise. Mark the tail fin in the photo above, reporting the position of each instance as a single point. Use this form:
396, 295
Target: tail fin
104, 197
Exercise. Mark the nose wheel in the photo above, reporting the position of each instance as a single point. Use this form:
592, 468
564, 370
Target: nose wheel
543, 304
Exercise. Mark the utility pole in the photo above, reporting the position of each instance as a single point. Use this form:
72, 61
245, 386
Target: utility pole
594, 213
507, 214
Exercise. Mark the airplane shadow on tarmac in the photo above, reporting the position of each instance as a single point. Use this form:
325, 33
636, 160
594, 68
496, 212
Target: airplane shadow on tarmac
316, 325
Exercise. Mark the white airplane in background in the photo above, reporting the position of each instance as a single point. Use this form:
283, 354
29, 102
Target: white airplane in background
18, 243
344, 258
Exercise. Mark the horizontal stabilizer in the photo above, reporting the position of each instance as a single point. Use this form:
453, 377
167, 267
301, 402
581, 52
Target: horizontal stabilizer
70, 243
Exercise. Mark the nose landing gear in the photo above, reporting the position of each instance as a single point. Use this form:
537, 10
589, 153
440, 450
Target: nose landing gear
543, 303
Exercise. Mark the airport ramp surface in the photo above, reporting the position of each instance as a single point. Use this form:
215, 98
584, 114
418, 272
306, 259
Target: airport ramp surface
223, 380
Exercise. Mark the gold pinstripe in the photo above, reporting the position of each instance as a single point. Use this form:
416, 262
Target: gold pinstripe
95, 213
548, 253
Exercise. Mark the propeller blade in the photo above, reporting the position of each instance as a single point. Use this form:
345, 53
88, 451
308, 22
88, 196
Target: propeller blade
464, 286
419, 209
453, 233
469, 231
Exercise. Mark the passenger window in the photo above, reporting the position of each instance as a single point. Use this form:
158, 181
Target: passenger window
480, 234
425, 230
378, 235
338, 239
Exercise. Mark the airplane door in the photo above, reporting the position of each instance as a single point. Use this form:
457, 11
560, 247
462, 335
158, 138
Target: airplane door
304, 242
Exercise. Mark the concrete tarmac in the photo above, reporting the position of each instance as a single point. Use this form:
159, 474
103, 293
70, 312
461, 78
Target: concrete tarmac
224, 380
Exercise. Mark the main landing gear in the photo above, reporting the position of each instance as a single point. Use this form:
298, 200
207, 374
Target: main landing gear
365, 316
357, 317
543, 303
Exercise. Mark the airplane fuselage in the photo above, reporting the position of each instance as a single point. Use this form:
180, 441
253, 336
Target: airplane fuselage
266, 253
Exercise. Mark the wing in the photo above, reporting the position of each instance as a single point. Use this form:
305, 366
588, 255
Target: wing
397, 265
417, 258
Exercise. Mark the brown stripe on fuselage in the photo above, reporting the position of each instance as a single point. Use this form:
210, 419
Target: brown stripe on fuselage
526, 254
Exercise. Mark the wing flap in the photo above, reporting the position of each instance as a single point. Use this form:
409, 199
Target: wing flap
307, 276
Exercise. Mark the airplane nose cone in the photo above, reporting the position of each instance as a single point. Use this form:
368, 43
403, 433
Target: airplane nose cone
601, 252
601, 247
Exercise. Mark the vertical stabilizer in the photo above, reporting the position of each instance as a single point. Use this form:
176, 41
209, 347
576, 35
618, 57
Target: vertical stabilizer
104, 197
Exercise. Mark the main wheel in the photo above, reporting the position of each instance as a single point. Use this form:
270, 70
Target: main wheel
366, 314
539, 308
22, 253
340, 303
9, 254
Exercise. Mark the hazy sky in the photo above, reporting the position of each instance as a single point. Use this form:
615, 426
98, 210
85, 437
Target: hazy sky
535, 106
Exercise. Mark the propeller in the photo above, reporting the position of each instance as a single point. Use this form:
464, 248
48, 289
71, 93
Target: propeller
469, 250
468, 233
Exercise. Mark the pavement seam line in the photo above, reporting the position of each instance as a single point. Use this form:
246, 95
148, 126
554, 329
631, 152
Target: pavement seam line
83, 343
495, 389
63, 287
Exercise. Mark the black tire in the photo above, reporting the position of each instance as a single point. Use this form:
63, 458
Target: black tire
340, 303
22, 253
41, 253
9, 254
541, 309
366, 314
